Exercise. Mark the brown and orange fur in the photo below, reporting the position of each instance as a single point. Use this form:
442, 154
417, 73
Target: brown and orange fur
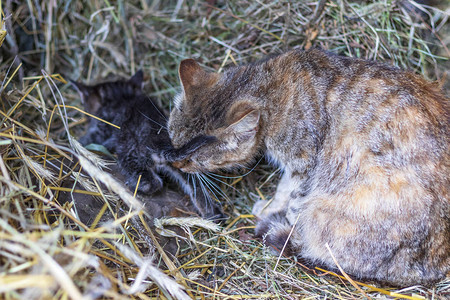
364, 147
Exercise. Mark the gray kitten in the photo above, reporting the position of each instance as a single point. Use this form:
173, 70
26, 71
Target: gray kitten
142, 144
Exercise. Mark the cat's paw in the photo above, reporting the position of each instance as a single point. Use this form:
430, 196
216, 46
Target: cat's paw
277, 233
259, 208
264, 208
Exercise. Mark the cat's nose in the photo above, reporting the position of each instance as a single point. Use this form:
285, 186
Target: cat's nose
178, 164
184, 165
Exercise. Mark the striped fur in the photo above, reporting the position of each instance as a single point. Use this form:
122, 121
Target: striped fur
364, 147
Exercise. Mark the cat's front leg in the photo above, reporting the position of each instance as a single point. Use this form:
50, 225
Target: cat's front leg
273, 225
280, 200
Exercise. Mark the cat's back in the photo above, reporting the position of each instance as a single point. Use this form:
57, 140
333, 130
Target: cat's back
368, 102
375, 132
357, 109
343, 83
386, 136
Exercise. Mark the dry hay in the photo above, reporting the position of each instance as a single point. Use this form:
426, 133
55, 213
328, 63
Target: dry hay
46, 251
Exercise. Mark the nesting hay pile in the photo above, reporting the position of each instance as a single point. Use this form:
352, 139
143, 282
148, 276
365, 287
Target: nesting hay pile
53, 249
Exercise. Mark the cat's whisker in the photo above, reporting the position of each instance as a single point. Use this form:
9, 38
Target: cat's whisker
242, 166
221, 181
237, 176
216, 186
204, 186
212, 186
157, 109
194, 185
222, 176
205, 192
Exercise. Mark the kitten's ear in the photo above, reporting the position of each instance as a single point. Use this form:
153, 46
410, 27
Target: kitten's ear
137, 79
82, 89
192, 76
89, 96
247, 124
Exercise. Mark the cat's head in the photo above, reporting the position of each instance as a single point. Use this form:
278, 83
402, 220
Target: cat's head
211, 105
109, 93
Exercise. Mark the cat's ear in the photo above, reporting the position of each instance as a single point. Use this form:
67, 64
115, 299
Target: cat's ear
137, 79
246, 124
193, 76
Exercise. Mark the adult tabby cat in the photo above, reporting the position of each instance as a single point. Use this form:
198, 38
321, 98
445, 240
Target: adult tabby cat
142, 144
364, 148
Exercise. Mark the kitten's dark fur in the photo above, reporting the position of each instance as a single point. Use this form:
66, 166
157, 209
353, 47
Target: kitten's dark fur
364, 148
142, 143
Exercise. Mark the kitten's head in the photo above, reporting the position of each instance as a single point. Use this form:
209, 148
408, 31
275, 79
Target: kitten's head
109, 94
212, 105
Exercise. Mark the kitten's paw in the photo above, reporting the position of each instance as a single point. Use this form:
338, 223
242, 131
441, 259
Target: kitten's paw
207, 207
150, 187
216, 215
277, 233
147, 185
211, 211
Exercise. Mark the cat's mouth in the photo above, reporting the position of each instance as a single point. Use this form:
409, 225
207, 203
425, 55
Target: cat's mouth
189, 166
